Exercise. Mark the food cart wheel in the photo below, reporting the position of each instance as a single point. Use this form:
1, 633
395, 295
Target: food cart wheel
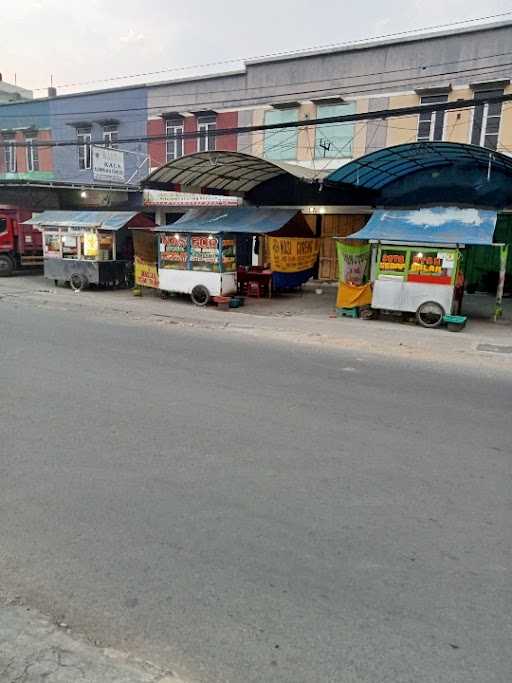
200, 295
430, 314
78, 282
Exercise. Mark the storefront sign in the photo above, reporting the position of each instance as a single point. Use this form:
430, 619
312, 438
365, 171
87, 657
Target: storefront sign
293, 254
107, 164
187, 199
353, 262
146, 274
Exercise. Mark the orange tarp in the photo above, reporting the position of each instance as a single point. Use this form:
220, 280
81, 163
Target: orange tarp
350, 296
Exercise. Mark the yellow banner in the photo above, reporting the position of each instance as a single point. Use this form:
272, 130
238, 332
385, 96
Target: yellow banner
146, 274
292, 254
90, 244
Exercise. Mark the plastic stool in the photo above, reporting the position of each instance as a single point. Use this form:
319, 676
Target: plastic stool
253, 289
347, 312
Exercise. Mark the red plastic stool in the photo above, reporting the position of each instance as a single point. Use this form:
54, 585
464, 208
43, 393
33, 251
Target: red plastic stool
253, 289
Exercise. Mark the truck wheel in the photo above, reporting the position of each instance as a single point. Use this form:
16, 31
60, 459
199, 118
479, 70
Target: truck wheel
78, 282
200, 295
430, 314
6, 265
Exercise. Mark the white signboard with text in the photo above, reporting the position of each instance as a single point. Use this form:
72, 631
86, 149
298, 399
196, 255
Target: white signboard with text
187, 199
108, 164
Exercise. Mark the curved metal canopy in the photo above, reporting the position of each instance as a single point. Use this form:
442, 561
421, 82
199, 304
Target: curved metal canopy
378, 169
223, 171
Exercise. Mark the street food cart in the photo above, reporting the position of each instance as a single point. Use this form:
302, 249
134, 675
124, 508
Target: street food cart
202, 265
417, 258
417, 279
88, 247
197, 255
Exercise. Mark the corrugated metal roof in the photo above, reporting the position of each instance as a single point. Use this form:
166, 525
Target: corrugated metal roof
378, 169
439, 225
223, 171
102, 220
241, 220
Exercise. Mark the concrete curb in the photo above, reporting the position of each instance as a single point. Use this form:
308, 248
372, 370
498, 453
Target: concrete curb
479, 345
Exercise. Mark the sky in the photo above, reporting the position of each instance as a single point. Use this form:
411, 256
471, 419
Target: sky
81, 43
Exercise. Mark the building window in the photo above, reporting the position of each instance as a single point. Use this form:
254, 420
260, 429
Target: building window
10, 156
84, 148
281, 144
110, 136
334, 141
32, 156
206, 128
174, 148
431, 123
486, 120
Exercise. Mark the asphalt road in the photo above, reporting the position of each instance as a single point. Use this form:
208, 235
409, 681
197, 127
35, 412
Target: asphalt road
250, 512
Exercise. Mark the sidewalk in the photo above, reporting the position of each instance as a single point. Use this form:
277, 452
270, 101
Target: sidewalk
306, 318
34, 650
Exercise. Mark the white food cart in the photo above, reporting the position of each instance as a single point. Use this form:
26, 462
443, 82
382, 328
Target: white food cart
197, 255
416, 279
202, 265
417, 257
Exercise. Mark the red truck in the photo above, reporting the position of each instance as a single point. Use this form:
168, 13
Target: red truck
20, 245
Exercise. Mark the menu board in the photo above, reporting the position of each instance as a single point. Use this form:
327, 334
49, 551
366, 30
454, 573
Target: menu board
204, 253
173, 252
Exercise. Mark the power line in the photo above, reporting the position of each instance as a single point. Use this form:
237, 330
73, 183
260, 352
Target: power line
347, 118
286, 143
484, 70
286, 53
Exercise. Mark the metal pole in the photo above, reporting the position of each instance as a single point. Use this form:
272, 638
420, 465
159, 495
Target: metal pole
498, 311
373, 265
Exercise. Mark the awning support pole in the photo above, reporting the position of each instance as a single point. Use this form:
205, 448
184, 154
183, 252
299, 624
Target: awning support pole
498, 311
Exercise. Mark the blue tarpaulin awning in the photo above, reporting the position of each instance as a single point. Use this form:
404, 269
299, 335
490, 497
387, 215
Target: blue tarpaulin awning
100, 220
440, 225
247, 220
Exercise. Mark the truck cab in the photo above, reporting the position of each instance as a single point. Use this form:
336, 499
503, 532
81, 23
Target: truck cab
20, 245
